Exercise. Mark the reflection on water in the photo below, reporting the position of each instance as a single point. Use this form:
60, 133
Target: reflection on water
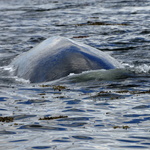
104, 110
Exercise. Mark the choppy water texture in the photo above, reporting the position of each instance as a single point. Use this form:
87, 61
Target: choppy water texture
96, 114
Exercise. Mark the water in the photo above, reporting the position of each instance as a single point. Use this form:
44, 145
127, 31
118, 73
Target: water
99, 114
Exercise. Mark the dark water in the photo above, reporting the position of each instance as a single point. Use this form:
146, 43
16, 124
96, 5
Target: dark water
110, 114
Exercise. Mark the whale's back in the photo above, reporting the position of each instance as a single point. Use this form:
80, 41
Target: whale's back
58, 57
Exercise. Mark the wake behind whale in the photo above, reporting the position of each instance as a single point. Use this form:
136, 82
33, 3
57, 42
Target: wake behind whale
58, 57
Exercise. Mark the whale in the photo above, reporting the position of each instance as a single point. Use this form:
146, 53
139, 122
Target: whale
57, 57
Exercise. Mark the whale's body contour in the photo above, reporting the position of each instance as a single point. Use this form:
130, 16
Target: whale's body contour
58, 57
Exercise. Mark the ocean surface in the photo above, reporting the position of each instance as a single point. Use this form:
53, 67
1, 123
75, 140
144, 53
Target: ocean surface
102, 112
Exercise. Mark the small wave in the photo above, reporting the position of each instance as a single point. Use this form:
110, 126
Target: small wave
92, 75
12, 80
99, 75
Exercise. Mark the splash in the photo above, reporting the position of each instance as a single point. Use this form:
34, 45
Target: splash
7, 68
144, 68
7, 77
137, 68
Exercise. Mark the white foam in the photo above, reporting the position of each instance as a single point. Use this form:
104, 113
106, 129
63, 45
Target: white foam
21, 80
7, 68
140, 68
144, 68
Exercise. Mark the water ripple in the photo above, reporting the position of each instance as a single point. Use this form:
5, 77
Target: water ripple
102, 113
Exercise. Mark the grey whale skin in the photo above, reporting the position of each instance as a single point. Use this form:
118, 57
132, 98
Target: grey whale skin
57, 57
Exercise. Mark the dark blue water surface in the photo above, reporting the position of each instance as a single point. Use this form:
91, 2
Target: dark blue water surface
96, 114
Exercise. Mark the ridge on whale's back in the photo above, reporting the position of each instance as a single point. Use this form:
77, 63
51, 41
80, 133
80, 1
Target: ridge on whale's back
57, 57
